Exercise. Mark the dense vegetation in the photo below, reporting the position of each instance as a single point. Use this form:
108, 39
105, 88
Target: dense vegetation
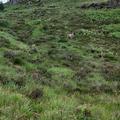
1, 6
59, 62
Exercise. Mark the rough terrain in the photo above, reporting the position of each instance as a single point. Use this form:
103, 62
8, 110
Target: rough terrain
59, 62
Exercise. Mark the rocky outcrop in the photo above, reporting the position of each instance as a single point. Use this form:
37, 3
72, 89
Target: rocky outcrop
14, 1
98, 5
94, 5
114, 3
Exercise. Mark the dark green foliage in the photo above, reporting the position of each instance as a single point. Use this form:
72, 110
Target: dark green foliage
4, 42
1, 6
4, 23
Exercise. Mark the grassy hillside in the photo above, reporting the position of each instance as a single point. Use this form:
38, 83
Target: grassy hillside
59, 62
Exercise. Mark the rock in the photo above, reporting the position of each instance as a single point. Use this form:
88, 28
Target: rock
114, 3
85, 6
14, 1
97, 5
10, 54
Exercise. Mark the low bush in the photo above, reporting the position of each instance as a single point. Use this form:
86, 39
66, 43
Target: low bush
1, 6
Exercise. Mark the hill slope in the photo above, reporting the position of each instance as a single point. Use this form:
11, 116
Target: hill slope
59, 62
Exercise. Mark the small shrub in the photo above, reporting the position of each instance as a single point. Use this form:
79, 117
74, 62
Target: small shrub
4, 42
4, 23
111, 72
14, 57
115, 34
35, 94
1, 6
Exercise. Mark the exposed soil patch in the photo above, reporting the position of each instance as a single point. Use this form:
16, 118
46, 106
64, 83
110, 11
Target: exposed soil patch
35, 94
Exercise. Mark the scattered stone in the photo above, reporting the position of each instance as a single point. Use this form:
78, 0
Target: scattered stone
94, 5
114, 3
14, 1
10, 54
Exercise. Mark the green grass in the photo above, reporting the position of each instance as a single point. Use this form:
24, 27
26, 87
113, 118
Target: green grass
79, 77
13, 40
113, 30
115, 34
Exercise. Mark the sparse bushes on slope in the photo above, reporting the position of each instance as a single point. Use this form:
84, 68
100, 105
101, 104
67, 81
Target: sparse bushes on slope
4, 23
4, 42
111, 72
52, 77
14, 57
